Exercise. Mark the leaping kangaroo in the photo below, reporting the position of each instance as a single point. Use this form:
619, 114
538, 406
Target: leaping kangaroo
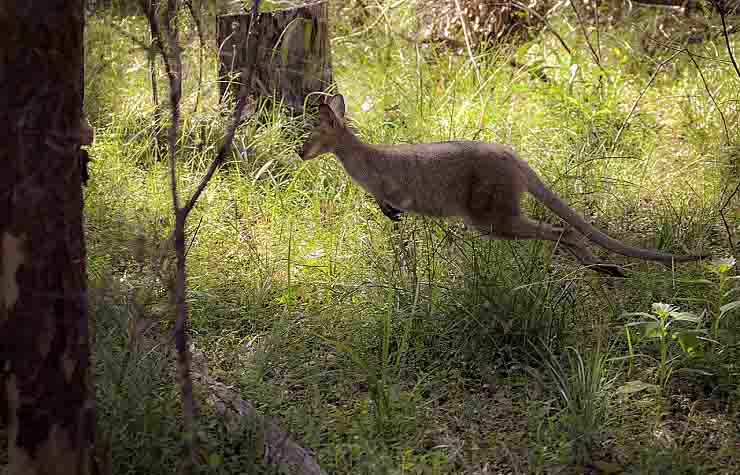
481, 182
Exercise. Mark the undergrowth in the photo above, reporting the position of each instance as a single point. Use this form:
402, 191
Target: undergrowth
416, 347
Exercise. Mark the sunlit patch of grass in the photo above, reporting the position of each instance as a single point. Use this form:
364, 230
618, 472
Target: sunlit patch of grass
407, 347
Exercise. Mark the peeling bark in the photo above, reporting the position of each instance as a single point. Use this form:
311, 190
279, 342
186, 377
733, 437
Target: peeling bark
43, 313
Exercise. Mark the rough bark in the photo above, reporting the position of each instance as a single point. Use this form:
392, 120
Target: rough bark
43, 313
293, 53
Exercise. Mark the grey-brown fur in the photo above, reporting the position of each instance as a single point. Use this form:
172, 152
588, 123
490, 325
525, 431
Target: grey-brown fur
480, 182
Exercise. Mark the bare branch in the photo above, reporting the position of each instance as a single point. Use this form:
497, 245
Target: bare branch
722, 12
534, 13
709, 92
277, 447
467, 42
202, 43
727, 229
175, 76
245, 82
173, 65
588, 39
149, 7
141, 44
642, 93
189, 460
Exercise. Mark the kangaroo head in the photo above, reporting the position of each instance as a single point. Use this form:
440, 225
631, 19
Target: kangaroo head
326, 135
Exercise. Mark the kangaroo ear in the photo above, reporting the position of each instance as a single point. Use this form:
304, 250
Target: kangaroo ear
327, 116
336, 102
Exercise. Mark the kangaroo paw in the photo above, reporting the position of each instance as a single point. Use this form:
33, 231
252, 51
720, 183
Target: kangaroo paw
394, 214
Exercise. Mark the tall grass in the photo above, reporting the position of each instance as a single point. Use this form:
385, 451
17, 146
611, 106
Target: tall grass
406, 348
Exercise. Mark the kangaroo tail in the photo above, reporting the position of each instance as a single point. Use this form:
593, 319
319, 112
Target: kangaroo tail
537, 187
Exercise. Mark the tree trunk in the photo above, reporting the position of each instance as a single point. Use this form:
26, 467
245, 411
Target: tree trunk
293, 53
43, 312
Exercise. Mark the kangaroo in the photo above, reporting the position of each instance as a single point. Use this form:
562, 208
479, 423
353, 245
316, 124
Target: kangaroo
480, 182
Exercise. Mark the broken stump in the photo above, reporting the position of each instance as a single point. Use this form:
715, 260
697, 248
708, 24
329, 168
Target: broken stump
293, 54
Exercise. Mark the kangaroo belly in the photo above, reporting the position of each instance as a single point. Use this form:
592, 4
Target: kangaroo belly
429, 206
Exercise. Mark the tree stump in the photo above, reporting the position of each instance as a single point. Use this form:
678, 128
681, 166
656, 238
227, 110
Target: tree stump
293, 54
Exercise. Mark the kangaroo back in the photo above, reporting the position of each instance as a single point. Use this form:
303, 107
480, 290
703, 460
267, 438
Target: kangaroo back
539, 190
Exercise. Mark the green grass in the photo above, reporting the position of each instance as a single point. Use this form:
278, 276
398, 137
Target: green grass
417, 348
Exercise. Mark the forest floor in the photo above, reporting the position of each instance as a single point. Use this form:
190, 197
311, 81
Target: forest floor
416, 347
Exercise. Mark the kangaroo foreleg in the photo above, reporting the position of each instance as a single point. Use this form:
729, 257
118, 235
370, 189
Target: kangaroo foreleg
394, 214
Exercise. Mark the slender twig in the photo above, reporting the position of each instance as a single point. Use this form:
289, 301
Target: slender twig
140, 43
153, 81
722, 214
189, 459
690, 53
732, 195
370, 27
172, 59
586, 36
637, 101
195, 235
202, 42
727, 229
150, 13
716, 106
598, 30
722, 13
245, 82
151, 54
544, 21
468, 45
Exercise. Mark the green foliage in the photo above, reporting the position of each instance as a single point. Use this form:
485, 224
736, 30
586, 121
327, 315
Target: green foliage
725, 302
407, 348
581, 386
664, 326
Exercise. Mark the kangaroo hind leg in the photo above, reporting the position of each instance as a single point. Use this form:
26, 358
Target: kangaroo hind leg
523, 228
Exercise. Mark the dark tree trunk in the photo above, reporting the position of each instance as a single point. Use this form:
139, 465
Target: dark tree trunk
293, 53
43, 313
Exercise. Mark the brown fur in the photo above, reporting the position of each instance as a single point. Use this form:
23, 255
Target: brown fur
482, 183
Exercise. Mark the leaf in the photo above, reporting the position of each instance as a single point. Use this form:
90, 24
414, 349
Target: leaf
729, 307
263, 169
652, 330
700, 372
689, 341
730, 292
695, 281
641, 322
214, 460
349, 351
632, 387
686, 317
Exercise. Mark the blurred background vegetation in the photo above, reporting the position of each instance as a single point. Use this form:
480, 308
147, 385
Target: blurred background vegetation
415, 347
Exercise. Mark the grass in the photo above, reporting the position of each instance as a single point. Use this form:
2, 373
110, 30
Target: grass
417, 348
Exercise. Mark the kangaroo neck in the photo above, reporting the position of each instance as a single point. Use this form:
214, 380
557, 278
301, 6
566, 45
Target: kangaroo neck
355, 156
